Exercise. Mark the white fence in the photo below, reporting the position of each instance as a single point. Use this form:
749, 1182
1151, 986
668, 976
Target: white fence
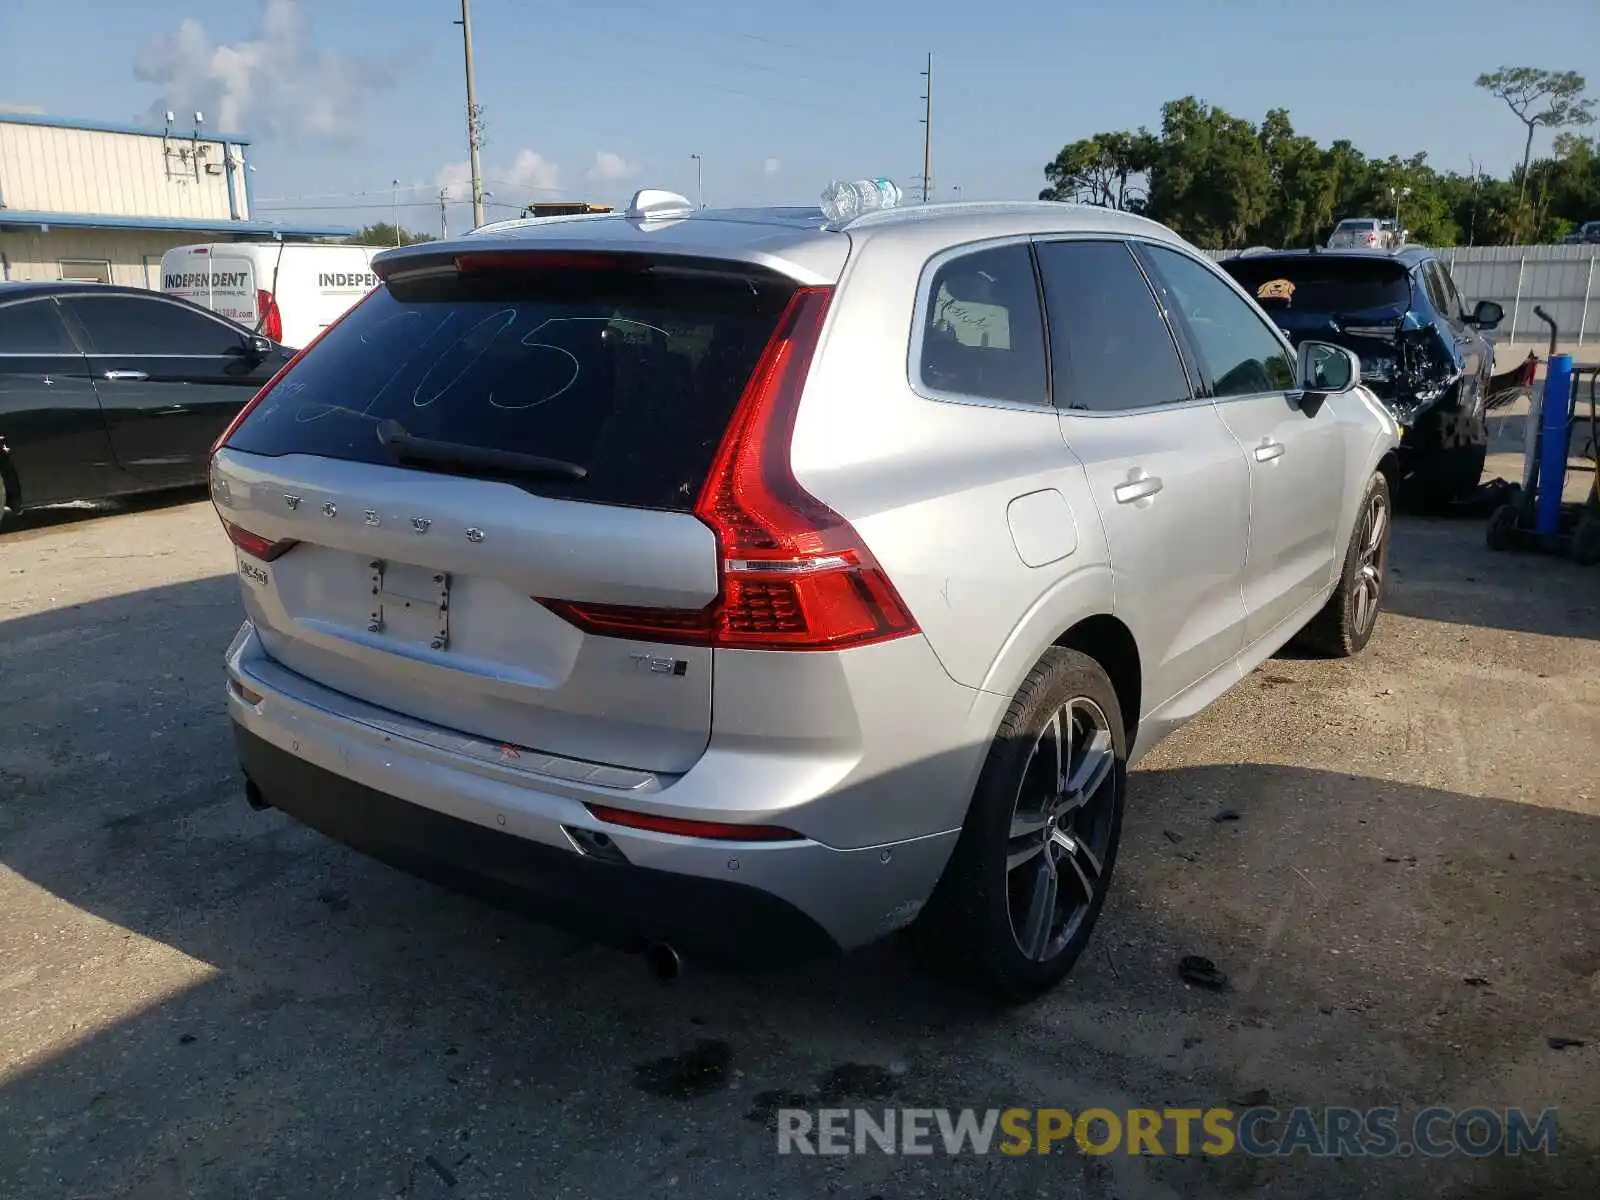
1562, 280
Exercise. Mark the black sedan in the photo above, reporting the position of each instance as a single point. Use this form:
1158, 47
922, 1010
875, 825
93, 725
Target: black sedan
107, 391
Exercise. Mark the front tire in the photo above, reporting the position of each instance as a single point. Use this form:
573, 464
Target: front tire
1022, 892
1345, 625
1447, 457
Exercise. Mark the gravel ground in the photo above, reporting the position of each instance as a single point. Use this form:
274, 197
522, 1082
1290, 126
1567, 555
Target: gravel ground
199, 1000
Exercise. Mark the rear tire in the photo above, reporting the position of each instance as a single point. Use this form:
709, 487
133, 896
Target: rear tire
1021, 894
1346, 623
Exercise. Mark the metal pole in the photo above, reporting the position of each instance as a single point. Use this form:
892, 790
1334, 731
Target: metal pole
472, 114
1588, 285
699, 185
444, 225
927, 129
1516, 305
394, 208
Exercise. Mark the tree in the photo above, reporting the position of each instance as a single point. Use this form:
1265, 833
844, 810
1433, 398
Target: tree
1225, 183
1211, 180
1101, 169
1553, 99
384, 234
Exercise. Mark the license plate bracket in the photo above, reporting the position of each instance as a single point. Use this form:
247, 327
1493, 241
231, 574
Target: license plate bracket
410, 592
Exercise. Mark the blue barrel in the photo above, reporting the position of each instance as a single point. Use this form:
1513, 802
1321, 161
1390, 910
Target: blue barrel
1555, 440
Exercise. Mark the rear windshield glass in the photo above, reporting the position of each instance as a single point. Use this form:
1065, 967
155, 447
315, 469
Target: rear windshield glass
630, 375
1358, 225
1318, 284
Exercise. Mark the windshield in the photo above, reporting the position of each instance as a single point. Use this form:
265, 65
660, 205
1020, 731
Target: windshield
1319, 285
1357, 225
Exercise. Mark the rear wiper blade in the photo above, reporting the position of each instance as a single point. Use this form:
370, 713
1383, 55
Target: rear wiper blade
407, 447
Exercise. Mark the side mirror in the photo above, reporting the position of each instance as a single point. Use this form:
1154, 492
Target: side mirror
1327, 370
1487, 314
257, 346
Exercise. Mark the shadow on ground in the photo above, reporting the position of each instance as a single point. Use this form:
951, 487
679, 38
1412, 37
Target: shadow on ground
1431, 577
215, 1003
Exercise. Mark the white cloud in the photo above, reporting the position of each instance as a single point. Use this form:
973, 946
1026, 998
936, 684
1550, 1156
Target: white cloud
610, 168
21, 110
534, 172
771, 167
529, 171
275, 82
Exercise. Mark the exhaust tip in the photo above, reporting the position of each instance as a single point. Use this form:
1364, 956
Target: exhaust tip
253, 796
665, 963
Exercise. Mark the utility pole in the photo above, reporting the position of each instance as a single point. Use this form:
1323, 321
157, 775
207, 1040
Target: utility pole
474, 117
699, 186
444, 225
394, 208
927, 129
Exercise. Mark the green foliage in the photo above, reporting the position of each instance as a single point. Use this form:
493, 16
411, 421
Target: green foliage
384, 234
1223, 182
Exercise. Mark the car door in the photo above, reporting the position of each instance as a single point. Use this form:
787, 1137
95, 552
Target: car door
1170, 480
52, 433
170, 378
1296, 453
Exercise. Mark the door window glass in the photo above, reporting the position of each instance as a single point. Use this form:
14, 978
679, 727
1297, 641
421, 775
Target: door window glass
1239, 350
140, 325
1110, 348
33, 327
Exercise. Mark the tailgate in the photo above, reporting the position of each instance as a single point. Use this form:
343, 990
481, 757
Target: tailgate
416, 593
415, 583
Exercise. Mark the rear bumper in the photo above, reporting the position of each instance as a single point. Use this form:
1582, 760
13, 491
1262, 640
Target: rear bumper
621, 905
433, 805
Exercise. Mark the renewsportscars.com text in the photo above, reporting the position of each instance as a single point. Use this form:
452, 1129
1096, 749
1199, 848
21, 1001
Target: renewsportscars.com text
1261, 1132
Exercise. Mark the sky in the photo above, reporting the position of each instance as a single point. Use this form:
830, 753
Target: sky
356, 110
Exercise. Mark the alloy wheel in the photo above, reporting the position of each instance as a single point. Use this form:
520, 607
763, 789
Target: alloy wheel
1061, 824
1371, 559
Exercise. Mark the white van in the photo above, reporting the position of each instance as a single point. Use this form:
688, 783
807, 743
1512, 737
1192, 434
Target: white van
288, 291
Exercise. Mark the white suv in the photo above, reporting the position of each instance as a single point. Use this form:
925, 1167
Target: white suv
733, 581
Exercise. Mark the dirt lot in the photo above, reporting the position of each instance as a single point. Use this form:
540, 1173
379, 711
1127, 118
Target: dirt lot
199, 1000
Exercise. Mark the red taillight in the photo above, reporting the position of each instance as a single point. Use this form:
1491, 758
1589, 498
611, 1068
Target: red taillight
546, 260
271, 317
722, 831
254, 544
795, 575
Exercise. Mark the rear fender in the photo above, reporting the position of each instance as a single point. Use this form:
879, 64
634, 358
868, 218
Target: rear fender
1087, 592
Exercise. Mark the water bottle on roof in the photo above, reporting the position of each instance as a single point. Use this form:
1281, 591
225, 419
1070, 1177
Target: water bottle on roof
843, 202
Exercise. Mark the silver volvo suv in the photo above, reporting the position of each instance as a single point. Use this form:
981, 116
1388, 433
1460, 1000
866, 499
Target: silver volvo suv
740, 583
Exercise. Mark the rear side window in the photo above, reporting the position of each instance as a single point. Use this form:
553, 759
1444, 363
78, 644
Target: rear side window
983, 332
1110, 349
33, 327
136, 325
631, 374
1434, 287
1241, 352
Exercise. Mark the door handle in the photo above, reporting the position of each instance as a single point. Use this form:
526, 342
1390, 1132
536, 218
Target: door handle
1269, 450
126, 376
1137, 489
